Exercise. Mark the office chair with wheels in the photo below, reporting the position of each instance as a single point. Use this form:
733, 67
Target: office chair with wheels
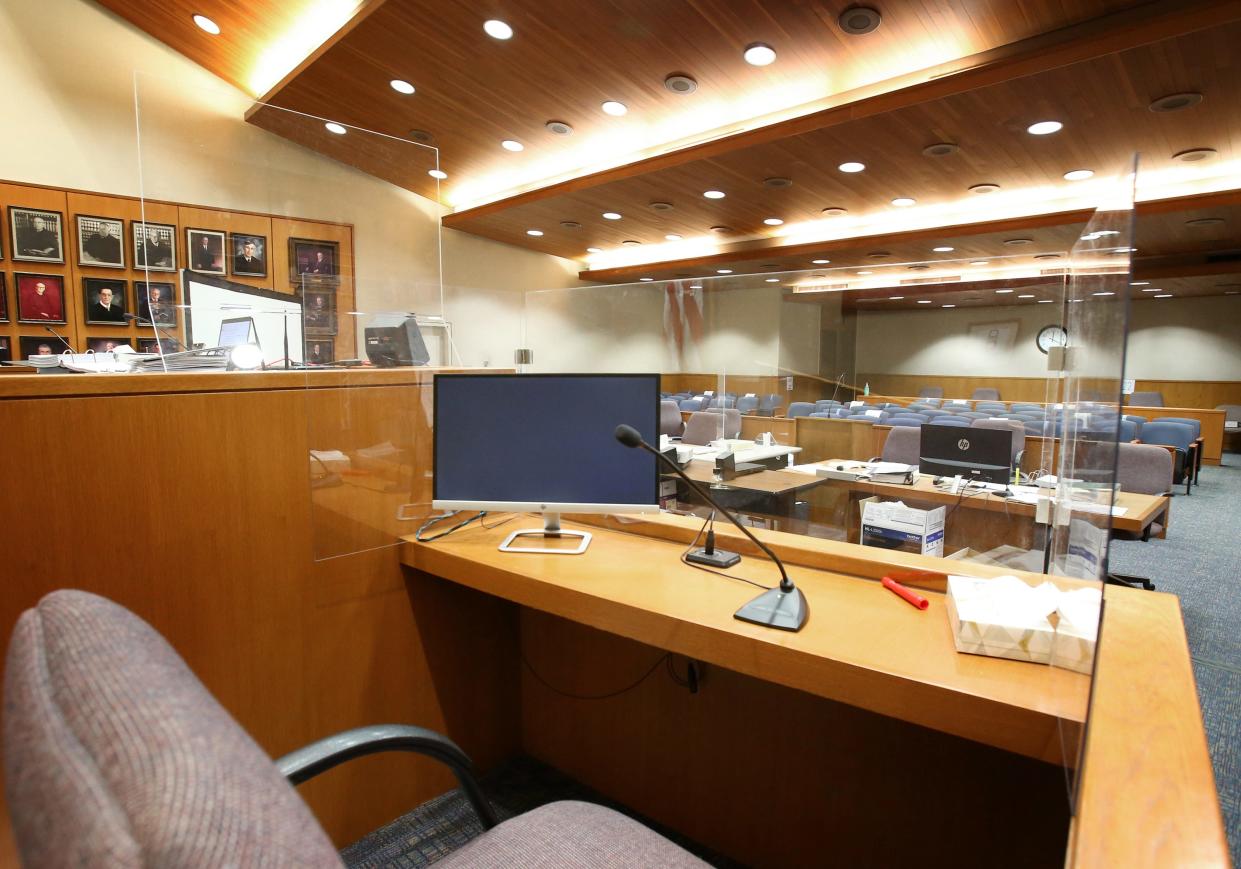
115, 755
670, 422
903, 445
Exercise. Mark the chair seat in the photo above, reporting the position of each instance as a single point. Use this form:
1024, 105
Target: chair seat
570, 834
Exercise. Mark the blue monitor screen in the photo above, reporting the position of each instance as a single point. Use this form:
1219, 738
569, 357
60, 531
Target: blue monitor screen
544, 438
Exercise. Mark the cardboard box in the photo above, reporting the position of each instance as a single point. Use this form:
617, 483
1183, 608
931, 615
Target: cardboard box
892, 525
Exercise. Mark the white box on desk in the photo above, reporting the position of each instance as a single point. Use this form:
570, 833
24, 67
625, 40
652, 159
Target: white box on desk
976, 630
911, 529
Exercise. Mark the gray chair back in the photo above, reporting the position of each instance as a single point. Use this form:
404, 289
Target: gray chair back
732, 422
1232, 412
670, 422
903, 445
703, 427
931, 392
1145, 399
801, 408
747, 403
987, 393
1144, 469
116, 755
1016, 426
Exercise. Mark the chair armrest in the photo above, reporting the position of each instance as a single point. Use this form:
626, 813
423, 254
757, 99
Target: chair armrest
308, 762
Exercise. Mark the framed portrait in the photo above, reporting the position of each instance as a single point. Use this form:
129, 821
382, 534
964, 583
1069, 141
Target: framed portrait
313, 258
999, 335
319, 312
105, 345
152, 345
155, 247
38, 236
6, 349
105, 300
156, 302
45, 346
40, 298
4, 300
100, 242
320, 351
204, 248
247, 255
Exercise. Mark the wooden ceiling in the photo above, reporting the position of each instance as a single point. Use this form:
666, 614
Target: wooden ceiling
972, 72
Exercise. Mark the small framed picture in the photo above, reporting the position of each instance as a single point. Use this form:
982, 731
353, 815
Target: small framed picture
317, 258
6, 349
204, 248
100, 242
105, 345
249, 255
38, 236
105, 300
45, 346
152, 345
156, 302
4, 300
319, 312
40, 298
320, 351
155, 246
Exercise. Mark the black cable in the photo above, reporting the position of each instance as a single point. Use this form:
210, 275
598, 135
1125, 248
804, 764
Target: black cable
434, 519
610, 694
685, 560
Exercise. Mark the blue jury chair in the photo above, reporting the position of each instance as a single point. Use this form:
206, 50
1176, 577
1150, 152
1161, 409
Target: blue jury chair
1196, 425
800, 408
1181, 438
904, 421
974, 414
747, 403
959, 422
770, 405
691, 404
1139, 421
991, 406
824, 404
933, 413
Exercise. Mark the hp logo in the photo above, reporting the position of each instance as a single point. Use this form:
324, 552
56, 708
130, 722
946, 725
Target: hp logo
963, 444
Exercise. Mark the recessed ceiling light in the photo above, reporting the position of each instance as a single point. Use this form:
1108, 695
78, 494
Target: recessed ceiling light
560, 128
631, 242
879, 254
614, 108
895, 298
497, 29
858, 20
984, 188
402, 87
1078, 174
778, 182
660, 206
1175, 102
981, 262
512, 145
333, 127
941, 149
1231, 292
534, 232
570, 224
721, 229
834, 211
420, 136
943, 249
1047, 256
1002, 292
437, 173
919, 267
820, 262
773, 280
207, 25
1026, 296
947, 306
594, 250
924, 302
1139, 283
723, 271
759, 54
1016, 242
1103, 293
672, 236
1164, 296
1204, 221
851, 166
773, 221
1044, 301
903, 201
1153, 290
646, 279
1044, 128
865, 272
713, 194
611, 215
679, 83
1194, 155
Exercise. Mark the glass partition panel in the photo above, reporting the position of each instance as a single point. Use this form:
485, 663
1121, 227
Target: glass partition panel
295, 244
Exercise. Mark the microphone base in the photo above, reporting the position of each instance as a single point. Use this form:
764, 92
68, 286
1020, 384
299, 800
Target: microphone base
718, 558
786, 611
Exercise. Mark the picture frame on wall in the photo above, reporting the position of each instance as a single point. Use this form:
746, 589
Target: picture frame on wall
319, 312
4, 300
248, 255
156, 301
320, 351
38, 236
6, 349
104, 301
315, 259
155, 247
40, 298
204, 248
100, 241
28, 346
152, 345
105, 345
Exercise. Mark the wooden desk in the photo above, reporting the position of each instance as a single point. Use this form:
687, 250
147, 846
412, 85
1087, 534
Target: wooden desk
584, 618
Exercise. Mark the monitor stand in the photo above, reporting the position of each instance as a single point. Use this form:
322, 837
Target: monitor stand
550, 529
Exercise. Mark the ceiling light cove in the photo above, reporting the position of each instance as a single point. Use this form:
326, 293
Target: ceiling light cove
614, 108
206, 25
759, 54
497, 29
1044, 128
401, 87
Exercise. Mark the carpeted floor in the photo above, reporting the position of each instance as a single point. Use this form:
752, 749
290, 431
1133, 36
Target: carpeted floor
1200, 562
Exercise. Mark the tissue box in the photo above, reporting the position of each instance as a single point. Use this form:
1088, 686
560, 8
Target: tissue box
1077, 629
979, 627
892, 525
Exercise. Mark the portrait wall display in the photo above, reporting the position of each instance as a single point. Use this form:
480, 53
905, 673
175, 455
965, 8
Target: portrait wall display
100, 242
156, 302
105, 345
104, 300
45, 346
155, 247
313, 258
320, 351
247, 255
6, 349
37, 236
152, 345
319, 312
204, 248
4, 300
40, 298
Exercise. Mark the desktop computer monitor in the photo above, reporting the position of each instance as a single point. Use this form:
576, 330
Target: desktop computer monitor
983, 454
545, 443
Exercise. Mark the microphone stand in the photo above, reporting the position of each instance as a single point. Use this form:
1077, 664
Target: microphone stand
158, 331
782, 607
61, 337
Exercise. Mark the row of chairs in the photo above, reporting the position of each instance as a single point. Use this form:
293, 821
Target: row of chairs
766, 405
986, 393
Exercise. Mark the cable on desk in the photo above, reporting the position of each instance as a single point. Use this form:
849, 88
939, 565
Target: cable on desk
550, 687
510, 518
434, 519
694, 543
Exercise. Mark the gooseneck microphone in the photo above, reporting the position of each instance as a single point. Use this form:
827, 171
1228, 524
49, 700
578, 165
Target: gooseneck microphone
158, 330
61, 337
783, 607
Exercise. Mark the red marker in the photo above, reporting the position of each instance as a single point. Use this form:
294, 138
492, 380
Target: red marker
914, 599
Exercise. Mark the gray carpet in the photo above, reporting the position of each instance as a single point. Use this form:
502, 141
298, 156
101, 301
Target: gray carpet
1200, 562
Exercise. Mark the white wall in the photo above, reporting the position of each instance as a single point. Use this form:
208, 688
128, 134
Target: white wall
68, 68
1185, 339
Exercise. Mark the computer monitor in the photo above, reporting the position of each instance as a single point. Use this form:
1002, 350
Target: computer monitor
544, 443
394, 340
983, 454
237, 330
